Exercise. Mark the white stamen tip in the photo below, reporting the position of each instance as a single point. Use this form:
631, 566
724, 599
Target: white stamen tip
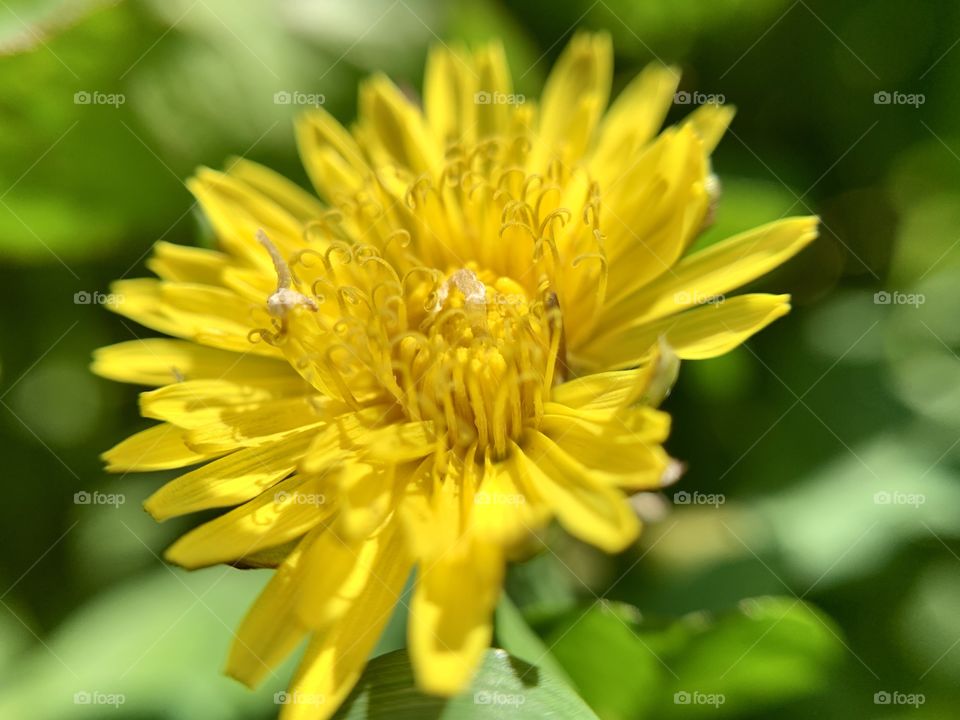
466, 281
285, 299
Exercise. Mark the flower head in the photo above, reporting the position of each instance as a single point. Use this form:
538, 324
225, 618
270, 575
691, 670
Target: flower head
464, 339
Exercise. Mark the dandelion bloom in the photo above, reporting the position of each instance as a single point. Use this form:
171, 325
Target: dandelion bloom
460, 342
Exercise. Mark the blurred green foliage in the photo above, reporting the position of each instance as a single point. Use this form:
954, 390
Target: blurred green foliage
822, 435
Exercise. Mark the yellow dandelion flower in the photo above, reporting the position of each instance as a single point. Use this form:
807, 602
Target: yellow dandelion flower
459, 343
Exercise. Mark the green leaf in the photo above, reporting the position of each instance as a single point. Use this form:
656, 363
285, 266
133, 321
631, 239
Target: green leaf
517, 638
766, 651
504, 685
164, 630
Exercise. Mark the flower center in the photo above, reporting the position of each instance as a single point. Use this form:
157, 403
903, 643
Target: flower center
483, 362
467, 350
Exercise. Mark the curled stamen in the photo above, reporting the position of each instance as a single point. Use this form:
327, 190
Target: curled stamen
284, 299
319, 296
380, 262
528, 183
522, 226
364, 251
400, 236
346, 255
421, 187
544, 192
353, 296
258, 334
604, 272
297, 259
519, 209
480, 181
551, 245
432, 273
561, 214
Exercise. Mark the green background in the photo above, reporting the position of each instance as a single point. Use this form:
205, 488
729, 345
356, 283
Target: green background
799, 430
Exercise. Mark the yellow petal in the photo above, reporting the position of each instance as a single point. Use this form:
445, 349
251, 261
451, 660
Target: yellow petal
339, 572
398, 442
161, 447
432, 520
210, 316
585, 505
195, 403
332, 158
493, 77
341, 434
697, 334
236, 211
233, 479
633, 120
711, 122
181, 263
396, 128
250, 427
291, 509
573, 100
285, 194
336, 656
607, 390
623, 449
366, 495
158, 361
450, 616
449, 86
505, 512
709, 274
651, 210
270, 630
